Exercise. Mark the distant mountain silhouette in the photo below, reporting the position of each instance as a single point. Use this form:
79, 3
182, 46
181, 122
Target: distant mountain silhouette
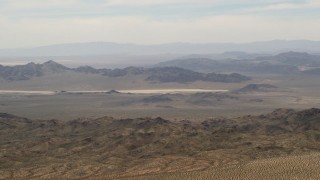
282, 63
157, 74
104, 48
25, 72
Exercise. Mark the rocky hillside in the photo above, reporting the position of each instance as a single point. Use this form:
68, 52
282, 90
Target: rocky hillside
124, 147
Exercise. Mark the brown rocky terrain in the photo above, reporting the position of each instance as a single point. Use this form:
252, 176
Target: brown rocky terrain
110, 148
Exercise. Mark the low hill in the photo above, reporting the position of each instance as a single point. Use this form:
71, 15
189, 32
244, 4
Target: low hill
256, 88
297, 59
210, 99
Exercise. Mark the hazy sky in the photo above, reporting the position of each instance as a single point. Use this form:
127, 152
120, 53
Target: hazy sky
27, 23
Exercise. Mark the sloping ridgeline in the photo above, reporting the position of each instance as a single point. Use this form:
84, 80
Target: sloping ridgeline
282, 63
157, 74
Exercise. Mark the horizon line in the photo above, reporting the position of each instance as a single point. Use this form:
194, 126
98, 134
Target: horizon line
155, 44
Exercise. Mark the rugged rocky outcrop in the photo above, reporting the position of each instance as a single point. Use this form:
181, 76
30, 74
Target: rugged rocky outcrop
123, 144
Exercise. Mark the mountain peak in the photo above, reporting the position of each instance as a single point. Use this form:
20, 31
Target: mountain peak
52, 66
50, 62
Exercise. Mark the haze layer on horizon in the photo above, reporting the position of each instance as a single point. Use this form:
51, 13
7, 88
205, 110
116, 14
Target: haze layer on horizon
43, 22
